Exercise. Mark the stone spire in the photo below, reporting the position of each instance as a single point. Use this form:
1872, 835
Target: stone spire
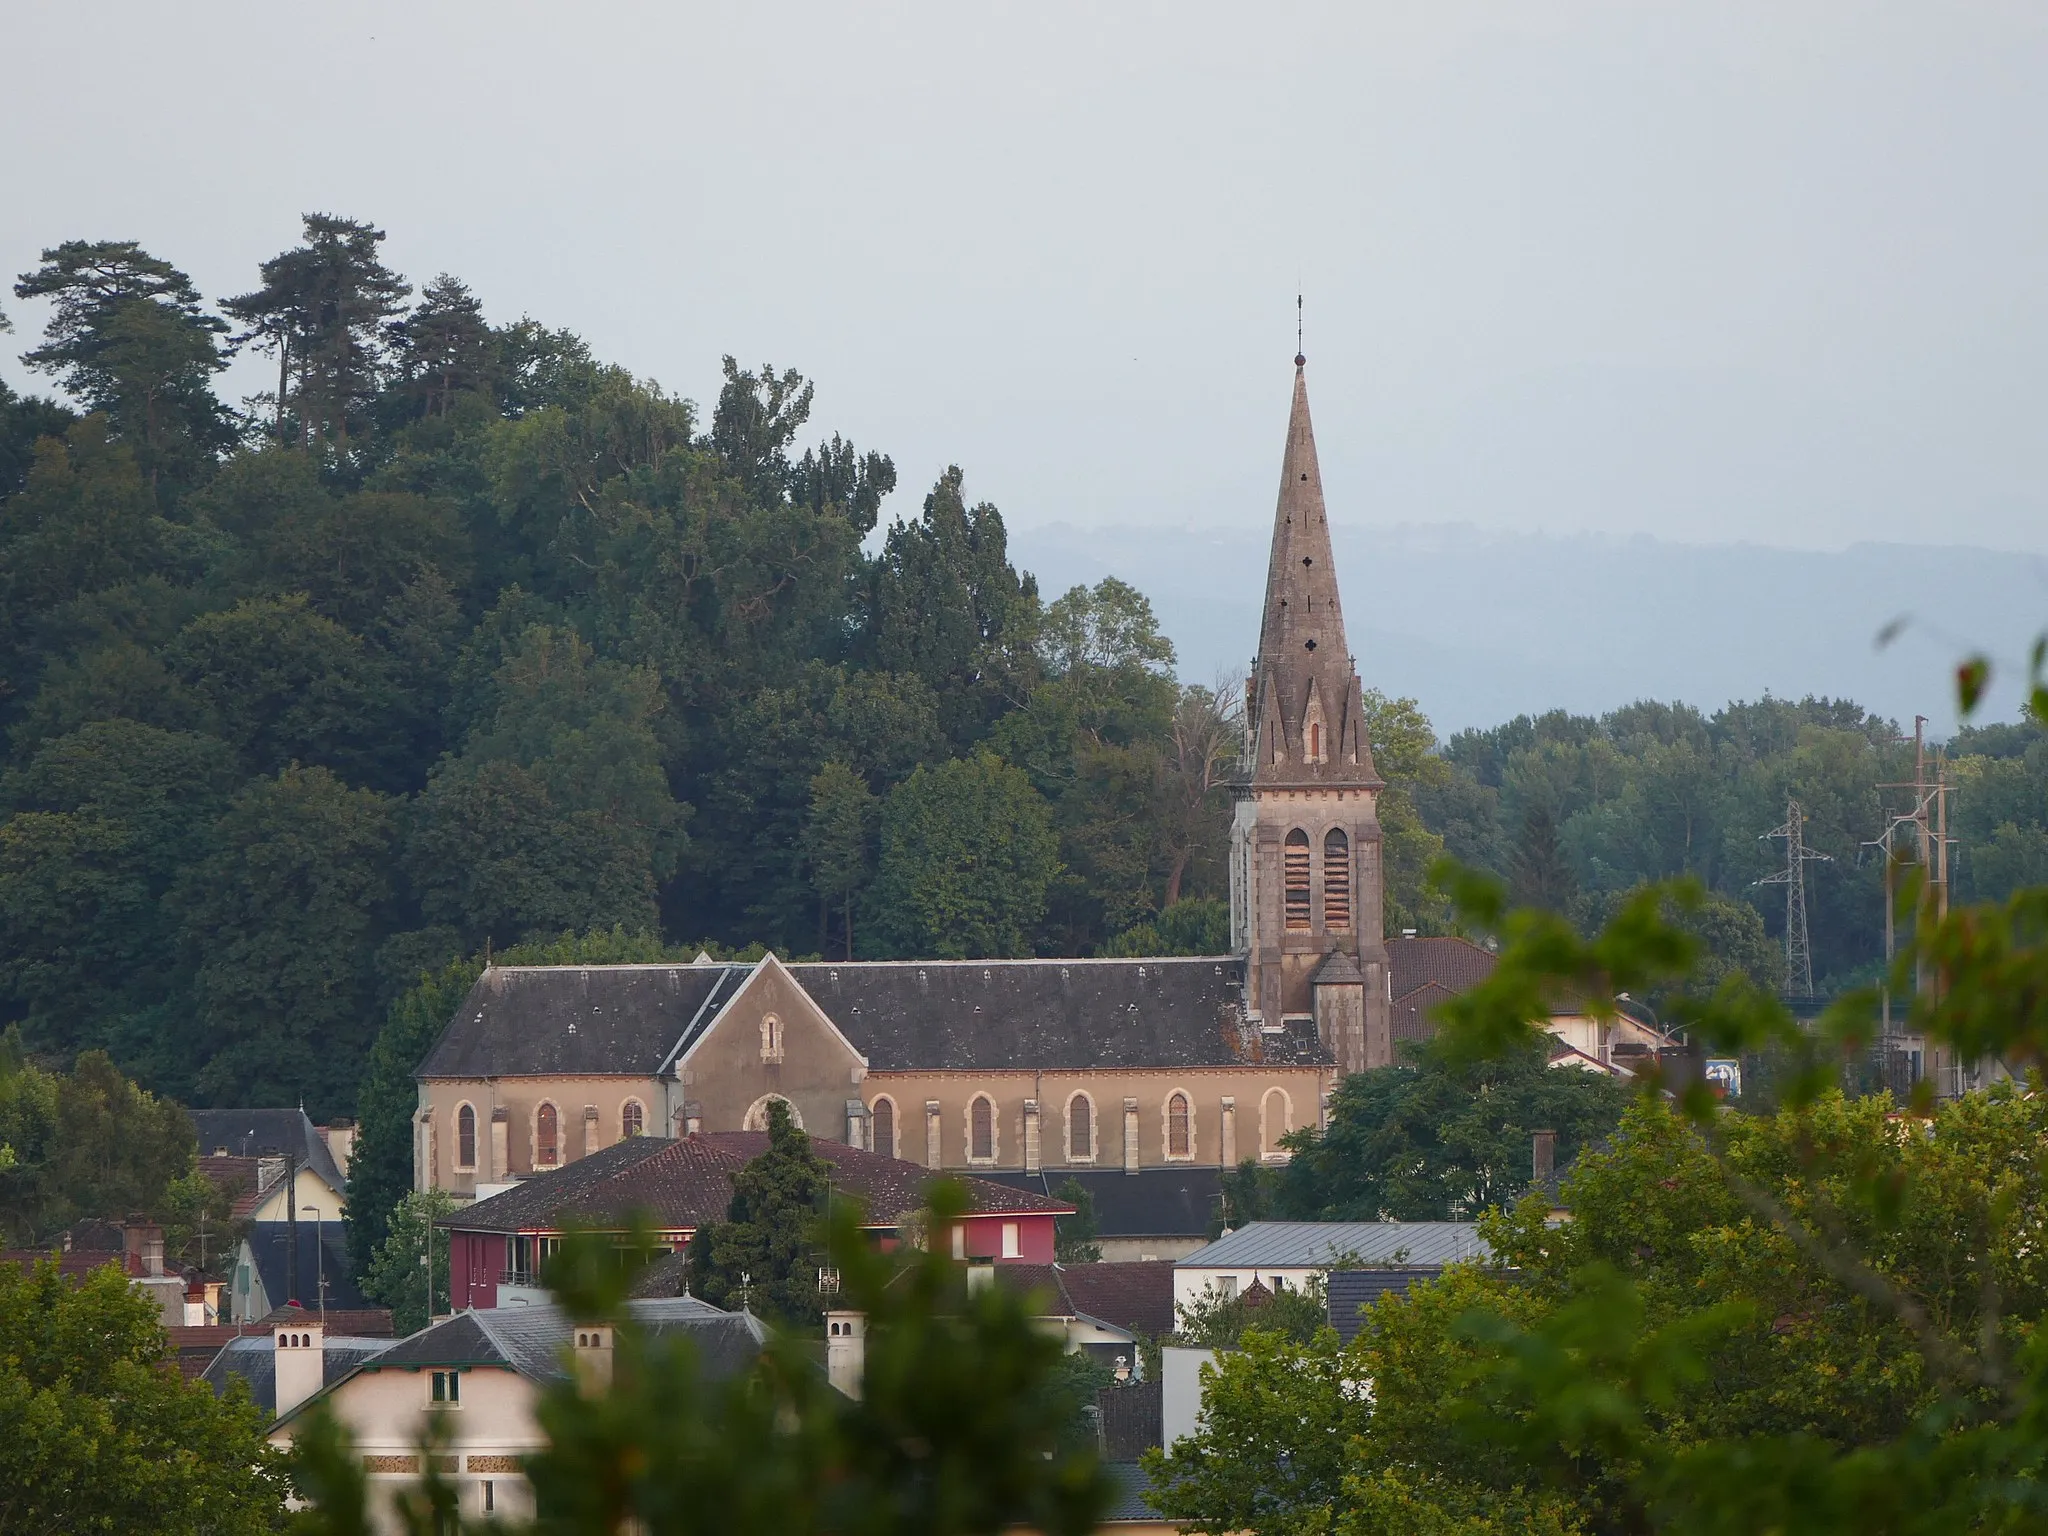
1305, 707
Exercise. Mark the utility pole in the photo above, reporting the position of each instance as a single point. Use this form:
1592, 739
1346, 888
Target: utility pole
291, 1233
1929, 845
1798, 951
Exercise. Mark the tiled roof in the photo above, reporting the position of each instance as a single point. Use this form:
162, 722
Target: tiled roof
1325, 1244
356, 1322
602, 1020
267, 1133
685, 1183
1171, 1200
1456, 965
1135, 1296
1413, 1010
1001, 1015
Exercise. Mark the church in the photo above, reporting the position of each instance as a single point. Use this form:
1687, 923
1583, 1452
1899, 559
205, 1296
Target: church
1143, 1078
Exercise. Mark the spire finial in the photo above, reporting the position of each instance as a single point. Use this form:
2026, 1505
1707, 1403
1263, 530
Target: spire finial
1299, 357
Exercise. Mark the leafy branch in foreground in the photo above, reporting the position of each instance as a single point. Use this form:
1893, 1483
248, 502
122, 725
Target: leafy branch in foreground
965, 1423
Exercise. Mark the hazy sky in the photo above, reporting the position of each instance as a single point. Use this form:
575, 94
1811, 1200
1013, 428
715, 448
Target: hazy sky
1716, 272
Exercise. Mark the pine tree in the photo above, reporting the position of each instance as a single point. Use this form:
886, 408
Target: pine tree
444, 347
1540, 875
324, 308
129, 339
766, 1250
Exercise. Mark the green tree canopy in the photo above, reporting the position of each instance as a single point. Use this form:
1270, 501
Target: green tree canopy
767, 1251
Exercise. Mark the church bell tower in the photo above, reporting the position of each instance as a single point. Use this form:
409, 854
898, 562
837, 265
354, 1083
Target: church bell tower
1305, 875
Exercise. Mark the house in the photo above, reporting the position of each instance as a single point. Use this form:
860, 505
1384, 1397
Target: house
280, 1262
1351, 1291
277, 1161
480, 1373
1291, 1253
498, 1244
1103, 1310
181, 1297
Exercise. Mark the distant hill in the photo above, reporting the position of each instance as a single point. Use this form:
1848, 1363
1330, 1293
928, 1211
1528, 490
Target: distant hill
1481, 626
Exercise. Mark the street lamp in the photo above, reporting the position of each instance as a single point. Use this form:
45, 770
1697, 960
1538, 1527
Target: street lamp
320, 1246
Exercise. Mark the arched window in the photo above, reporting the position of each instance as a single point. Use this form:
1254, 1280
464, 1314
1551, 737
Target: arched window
547, 1137
1180, 1137
632, 1118
465, 1138
1315, 741
884, 1113
1295, 867
981, 1129
1080, 1129
771, 1038
756, 1118
1336, 880
1275, 1115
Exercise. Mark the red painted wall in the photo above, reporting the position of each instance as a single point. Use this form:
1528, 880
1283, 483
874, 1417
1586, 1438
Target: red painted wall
475, 1260
1034, 1238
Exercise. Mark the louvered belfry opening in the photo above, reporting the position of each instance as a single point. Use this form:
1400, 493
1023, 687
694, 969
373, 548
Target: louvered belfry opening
1296, 870
1336, 880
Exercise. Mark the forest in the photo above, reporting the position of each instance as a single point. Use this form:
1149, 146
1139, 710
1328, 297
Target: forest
456, 638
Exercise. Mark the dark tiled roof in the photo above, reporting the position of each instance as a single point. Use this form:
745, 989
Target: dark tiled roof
267, 1133
270, 1242
197, 1344
253, 1358
1413, 1010
1128, 1505
683, 1184
75, 1265
1153, 1202
1339, 969
538, 1020
1134, 1296
998, 1015
1352, 1290
1456, 965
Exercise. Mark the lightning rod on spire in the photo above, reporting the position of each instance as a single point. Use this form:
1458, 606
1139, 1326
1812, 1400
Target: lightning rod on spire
1299, 356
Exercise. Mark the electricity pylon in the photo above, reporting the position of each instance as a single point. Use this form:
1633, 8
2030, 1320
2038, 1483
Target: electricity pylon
1798, 952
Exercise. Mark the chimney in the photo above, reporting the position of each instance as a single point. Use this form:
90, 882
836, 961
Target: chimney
846, 1350
301, 1349
592, 1352
1543, 1155
142, 1246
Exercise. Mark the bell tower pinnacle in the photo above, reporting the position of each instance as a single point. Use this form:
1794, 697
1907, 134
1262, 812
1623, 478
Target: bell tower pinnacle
1305, 874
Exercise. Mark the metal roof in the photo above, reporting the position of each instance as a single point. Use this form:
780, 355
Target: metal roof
1326, 1244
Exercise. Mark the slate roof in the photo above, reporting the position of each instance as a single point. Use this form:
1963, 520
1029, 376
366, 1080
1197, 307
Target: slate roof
267, 1133
1352, 1290
270, 1242
601, 1020
1318, 1244
1135, 1297
253, 1358
1128, 1505
1175, 1200
685, 1183
530, 1340
1046, 1015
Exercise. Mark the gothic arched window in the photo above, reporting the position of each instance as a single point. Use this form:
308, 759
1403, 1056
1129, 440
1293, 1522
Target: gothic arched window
1294, 865
632, 1118
981, 1130
884, 1121
1180, 1140
1080, 1129
547, 1137
1275, 1113
1336, 880
465, 1137
771, 1038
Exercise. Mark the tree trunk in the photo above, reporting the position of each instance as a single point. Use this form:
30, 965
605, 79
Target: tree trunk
1180, 865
